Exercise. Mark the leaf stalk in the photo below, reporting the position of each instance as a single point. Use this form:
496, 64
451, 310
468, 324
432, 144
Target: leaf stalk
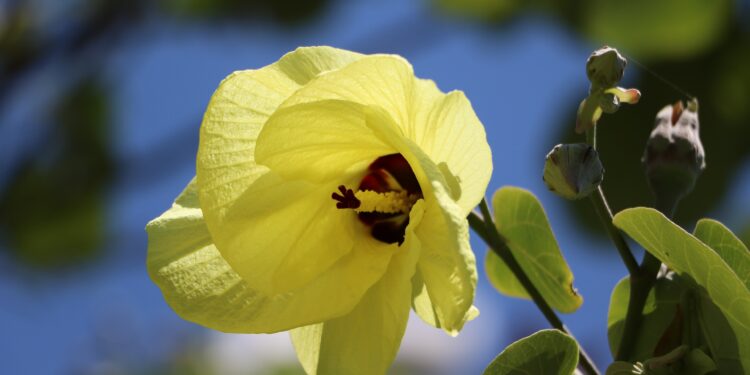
485, 227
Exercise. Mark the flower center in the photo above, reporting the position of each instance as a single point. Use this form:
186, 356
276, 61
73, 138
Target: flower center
384, 198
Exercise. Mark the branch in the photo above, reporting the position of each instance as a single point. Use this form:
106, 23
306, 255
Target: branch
486, 229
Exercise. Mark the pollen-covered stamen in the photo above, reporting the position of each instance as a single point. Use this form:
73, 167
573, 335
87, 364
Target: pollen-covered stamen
346, 199
390, 202
384, 197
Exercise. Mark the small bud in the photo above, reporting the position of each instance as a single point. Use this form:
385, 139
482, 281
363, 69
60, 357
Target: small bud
674, 156
609, 103
573, 171
605, 67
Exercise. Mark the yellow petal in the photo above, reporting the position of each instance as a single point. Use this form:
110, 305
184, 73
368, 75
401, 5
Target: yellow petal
235, 115
454, 138
280, 234
319, 141
422, 304
366, 340
384, 81
447, 264
444, 126
201, 286
227, 174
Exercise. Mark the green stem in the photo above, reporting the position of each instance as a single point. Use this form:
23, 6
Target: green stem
591, 137
484, 226
605, 216
642, 278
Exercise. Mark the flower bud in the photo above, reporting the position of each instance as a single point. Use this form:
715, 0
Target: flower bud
609, 103
605, 67
674, 156
573, 171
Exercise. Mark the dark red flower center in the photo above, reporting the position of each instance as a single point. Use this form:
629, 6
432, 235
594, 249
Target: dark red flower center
391, 176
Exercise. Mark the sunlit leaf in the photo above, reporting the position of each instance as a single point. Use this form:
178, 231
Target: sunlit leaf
521, 221
713, 279
727, 245
548, 352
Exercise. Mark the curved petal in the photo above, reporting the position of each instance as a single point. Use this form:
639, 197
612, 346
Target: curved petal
366, 340
235, 115
454, 138
319, 141
201, 286
444, 126
447, 264
385, 81
423, 306
280, 234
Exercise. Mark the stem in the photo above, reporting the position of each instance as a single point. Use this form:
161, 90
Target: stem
605, 216
642, 278
591, 137
486, 229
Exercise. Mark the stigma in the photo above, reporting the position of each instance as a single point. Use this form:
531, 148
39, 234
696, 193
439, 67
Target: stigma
384, 198
389, 202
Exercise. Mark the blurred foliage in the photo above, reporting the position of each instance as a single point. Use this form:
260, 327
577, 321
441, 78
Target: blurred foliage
485, 10
698, 45
287, 12
667, 29
51, 212
17, 37
657, 29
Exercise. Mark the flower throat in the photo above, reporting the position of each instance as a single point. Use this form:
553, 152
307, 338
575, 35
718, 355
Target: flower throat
384, 198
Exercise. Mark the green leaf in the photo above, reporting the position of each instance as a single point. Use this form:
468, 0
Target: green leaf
713, 279
727, 245
521, 221
698, 363
548, 352
625, 368
727, 345
659, 312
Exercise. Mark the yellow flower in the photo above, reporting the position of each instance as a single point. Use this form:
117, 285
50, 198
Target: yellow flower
331, 196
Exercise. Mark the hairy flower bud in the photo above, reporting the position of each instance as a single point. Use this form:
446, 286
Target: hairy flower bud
674, 156
605, 67
573, 171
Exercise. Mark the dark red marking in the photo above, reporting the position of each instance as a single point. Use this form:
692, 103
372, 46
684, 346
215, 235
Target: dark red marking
346, 199
376, 181
386, 227
399, 168
390, 231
